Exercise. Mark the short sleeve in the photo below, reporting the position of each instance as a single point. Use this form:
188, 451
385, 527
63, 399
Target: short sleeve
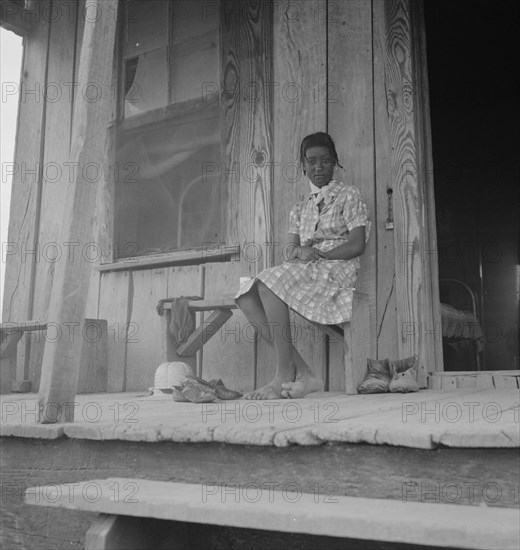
355, 211
294, 218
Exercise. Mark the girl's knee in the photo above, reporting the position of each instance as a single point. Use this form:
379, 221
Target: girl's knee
248, 301
262, 289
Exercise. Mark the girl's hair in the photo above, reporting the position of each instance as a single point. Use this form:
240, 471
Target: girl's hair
319, 139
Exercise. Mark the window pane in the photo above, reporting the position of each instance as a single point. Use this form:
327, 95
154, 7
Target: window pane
146, 85
146, 26
172, 201
195, 48
193, 70
193, 18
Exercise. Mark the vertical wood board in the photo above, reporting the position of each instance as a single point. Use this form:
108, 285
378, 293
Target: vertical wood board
299, 108
60, 367
230, 120
93, 367
246, 83
386, 316
230, 353
255, 205
113, 306
409, 234
57, 172
145, 347
350, 120
431, 299
300, 101
21, 249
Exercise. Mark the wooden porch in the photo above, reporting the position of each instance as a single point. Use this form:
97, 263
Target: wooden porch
429, 453
429, 419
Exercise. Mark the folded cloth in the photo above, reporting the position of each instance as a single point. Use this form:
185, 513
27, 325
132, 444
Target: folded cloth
182, 324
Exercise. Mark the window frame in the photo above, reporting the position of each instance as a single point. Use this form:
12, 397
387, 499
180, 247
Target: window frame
182, 111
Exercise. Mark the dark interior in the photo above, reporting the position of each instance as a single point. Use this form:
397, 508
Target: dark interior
473, 67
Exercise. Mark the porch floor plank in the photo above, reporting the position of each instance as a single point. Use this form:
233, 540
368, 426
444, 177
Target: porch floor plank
427, 419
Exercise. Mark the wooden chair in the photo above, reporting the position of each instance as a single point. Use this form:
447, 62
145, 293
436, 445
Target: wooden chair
355, 334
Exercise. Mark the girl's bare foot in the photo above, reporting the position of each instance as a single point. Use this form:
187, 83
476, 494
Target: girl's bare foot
272, 390
303, 385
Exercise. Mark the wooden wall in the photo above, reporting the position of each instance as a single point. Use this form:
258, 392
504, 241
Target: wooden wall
351, 68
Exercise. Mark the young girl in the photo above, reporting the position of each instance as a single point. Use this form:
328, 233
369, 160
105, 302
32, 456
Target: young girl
327, 234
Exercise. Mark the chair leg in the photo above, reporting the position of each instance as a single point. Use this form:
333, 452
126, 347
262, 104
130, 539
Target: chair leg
357, 345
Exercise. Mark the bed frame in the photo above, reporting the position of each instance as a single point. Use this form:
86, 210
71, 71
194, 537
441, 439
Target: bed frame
474, 307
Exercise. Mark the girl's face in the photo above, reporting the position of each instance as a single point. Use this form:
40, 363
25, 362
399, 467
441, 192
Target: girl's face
319, 165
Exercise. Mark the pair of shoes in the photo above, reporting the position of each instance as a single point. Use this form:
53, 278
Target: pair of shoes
197, 390
387, 375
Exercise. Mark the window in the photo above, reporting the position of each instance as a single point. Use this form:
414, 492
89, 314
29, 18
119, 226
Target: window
167, 137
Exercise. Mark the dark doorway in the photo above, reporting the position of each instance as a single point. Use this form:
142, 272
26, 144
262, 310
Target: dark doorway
473, 65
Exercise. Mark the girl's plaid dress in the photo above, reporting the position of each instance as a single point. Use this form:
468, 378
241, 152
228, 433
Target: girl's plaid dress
321, 290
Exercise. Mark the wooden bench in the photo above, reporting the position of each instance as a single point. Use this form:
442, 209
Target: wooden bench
14, 376
129, 510
355, 335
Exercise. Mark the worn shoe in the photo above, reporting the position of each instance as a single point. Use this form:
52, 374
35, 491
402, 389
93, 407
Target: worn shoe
378, 377
404, 375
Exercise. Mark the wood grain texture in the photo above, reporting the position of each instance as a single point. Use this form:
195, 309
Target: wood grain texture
94, 358
246, 84
256, 141
386, 316
415, 523
230, 353
431, 299
350, 120
21, 259
71, 279
299, 108
357, 344
113, 306
409, 204
230, 120
374, 471
145, 347
335, 364
300, 100
57, 173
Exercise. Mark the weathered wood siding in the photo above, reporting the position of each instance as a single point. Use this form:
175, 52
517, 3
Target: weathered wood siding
27, 183
355, 69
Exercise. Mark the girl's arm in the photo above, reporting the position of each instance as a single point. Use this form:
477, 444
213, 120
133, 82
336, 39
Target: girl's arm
346, 251
293, 243
296, 252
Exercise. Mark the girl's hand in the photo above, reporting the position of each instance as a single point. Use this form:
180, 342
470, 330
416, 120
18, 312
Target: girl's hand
307, 254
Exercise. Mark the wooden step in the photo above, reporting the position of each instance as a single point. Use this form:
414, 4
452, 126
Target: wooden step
255, 506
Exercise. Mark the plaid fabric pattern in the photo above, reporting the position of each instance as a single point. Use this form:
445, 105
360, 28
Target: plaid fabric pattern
320, 291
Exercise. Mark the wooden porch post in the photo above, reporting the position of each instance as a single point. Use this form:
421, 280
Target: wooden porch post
61, 359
